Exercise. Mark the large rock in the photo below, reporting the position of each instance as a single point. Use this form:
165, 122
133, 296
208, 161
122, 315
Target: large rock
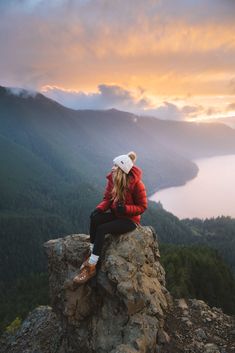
196, 327
39, 333
122, 309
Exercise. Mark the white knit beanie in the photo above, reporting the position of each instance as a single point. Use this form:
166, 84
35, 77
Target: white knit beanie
124, 162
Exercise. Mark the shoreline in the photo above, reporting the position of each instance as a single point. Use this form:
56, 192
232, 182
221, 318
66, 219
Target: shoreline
195, 161
217, 173
173, 185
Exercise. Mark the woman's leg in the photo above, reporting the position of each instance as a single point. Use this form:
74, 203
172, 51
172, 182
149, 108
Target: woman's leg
96, 221
116, 226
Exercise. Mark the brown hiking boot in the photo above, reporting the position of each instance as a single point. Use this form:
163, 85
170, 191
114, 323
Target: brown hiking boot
87, 272
85, 260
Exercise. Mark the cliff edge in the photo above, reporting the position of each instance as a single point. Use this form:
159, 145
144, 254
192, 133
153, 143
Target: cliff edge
126, 308
122, 308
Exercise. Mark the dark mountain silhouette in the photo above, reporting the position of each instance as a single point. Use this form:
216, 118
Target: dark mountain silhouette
83, 143
77, 142
191, 139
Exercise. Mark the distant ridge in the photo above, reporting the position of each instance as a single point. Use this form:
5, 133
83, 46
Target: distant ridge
76, 141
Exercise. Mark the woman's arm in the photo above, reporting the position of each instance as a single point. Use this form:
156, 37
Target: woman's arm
140, 200
105, 203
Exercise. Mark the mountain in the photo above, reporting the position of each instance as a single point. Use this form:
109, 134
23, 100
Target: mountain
76, 142
191, 139
53, 166
227, 120
217, 233
54, 161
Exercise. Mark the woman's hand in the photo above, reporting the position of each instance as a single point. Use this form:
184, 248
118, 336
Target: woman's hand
121, 208
95, 212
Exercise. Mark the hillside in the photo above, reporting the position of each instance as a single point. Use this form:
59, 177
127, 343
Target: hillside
54, 161
53, 166
192, 140
74, 143
217, 233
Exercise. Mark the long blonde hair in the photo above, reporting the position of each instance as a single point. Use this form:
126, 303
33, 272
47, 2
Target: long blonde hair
121, 181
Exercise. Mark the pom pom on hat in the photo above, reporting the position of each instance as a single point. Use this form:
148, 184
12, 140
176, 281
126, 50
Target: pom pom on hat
133, 156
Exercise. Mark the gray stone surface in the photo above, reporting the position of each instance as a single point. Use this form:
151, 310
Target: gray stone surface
121, 309
126, 308
39, 333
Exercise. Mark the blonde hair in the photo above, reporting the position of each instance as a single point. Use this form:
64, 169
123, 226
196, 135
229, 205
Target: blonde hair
121, 181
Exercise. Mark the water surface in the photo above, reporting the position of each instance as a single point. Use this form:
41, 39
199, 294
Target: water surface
210, 194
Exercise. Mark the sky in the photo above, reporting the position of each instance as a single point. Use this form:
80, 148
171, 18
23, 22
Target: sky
169, 59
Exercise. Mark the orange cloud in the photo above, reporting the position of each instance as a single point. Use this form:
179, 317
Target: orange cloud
169, 48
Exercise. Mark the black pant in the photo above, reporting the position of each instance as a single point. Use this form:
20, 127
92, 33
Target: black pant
105, 223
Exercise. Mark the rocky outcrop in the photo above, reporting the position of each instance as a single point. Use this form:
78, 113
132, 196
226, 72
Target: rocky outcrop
195, 327
122, 309
39, 333
126, 308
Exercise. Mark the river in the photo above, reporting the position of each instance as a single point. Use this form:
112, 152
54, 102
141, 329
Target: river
210, 194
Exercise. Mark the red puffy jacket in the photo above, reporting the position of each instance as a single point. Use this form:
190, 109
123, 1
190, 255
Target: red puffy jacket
136, 198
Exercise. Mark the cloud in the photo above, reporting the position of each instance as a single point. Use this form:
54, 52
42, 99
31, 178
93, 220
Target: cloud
170, 111
137, 102
167, 47
23, 93
113, 96
166, 111
230, 107
107, 96
231, 85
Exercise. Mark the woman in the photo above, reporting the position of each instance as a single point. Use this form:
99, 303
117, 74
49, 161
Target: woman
125, 196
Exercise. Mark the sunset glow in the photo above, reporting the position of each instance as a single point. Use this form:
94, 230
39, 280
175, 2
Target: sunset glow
83, 52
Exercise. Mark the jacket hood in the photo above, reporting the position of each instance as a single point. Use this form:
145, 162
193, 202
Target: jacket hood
135, 171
